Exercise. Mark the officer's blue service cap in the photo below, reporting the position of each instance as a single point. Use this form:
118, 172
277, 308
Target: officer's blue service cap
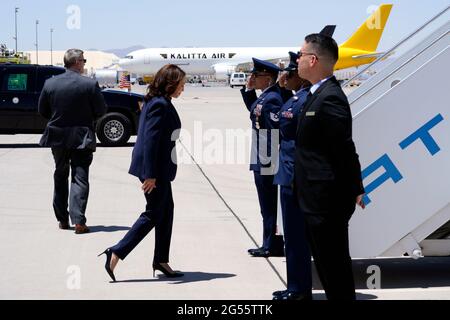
293, 65
264, 66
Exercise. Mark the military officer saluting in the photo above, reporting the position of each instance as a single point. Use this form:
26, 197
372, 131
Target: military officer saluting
298, 258
264, 116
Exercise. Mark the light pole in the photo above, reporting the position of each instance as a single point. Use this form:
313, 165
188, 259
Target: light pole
51, 46
16, 9
37, 55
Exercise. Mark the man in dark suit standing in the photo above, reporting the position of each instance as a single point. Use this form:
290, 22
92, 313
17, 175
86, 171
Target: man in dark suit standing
72, 103
327, 170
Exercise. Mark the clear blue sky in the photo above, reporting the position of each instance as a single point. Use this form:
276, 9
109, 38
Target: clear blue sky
116, 24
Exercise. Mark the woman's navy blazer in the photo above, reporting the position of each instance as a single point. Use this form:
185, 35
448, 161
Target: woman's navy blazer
154, 154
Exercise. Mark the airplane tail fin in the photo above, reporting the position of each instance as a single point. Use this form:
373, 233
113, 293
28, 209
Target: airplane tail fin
328, 30
369, 33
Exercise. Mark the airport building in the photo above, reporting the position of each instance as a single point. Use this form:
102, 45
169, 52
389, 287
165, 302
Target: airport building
95, 59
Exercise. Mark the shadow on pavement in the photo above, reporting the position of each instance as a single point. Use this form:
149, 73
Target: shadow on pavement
359, 296
20, 146
188, 277
128, 144
399, 273
94, 229
36, 146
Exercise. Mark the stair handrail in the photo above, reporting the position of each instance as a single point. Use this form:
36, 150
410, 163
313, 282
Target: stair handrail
395, 47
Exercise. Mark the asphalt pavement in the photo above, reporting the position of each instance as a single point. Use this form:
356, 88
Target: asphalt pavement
216, 220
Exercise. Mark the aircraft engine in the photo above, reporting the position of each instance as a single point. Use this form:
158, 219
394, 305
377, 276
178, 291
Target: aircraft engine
223, 71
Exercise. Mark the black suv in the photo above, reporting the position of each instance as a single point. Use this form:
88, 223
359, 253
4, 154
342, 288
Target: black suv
21, 85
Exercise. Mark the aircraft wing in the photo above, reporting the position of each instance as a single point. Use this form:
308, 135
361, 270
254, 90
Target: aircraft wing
372, 55
283, 61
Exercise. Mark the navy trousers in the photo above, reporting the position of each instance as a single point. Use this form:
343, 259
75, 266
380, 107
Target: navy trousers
328, 238
158, 214
267, 195
298, 257
77, 163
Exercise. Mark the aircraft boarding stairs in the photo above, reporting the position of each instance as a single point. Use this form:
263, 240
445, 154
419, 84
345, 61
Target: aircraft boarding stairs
401, 128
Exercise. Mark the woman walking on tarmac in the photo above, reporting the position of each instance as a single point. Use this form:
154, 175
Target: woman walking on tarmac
153, 164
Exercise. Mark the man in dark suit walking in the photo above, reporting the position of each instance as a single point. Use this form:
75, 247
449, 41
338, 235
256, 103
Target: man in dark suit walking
72, 103
327, 170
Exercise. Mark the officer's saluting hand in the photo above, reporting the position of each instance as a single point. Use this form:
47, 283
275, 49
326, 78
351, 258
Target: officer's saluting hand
251, 82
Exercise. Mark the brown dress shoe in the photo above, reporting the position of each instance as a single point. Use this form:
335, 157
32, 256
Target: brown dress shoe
63, 225
81, 228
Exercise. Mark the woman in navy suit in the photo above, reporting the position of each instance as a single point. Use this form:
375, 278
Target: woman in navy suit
154, 163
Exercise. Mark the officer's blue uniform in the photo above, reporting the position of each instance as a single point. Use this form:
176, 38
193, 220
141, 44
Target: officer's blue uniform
298, 258
264, 112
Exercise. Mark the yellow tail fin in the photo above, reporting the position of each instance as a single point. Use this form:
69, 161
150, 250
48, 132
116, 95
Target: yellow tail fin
369, 33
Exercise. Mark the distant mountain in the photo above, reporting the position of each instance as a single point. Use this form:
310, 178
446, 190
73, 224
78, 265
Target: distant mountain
123, 52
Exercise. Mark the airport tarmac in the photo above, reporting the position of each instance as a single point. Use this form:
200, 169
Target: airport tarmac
216, 221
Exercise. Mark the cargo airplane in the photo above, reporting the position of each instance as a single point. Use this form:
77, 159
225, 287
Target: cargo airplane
359, 49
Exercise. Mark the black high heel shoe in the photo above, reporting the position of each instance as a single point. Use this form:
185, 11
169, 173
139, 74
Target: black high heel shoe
108, 254
167, 273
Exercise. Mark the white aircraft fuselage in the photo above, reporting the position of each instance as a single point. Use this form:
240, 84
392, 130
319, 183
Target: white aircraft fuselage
198, 61
357, 50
